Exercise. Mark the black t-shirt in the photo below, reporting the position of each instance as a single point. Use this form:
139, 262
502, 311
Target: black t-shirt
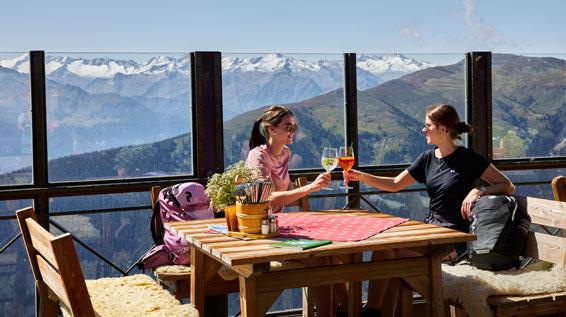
448, 181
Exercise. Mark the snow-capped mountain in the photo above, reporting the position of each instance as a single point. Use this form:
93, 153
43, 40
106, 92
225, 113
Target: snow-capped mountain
374, 64
249, 81
273, 62
102, 67
381, 64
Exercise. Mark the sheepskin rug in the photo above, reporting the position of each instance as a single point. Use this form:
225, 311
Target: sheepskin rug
471, 287
172, 269
136, 295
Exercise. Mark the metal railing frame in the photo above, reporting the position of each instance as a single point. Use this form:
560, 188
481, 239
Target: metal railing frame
207, 129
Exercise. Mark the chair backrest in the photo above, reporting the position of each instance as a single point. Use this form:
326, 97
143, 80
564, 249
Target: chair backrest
548, 247
559, 188
156, 225
303, 203
55, 264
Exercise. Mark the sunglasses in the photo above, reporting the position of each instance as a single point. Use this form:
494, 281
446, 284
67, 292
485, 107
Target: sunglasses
291, 127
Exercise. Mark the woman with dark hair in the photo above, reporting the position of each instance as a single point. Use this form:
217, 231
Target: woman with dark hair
449, 172
270, 155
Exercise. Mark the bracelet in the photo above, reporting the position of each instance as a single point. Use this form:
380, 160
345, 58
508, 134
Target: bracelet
482, 191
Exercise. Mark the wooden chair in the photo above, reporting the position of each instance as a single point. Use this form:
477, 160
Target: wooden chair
302, 203
541, 246
558, 185
61, 285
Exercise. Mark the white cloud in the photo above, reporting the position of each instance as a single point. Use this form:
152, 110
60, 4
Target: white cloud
412, 33
482, 33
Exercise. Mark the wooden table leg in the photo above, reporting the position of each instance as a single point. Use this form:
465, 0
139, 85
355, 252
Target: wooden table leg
308, 304
248, 299
436, 285
355, 291
198, 280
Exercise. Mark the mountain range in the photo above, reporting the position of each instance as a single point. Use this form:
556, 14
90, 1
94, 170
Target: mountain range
528, 99
102, 103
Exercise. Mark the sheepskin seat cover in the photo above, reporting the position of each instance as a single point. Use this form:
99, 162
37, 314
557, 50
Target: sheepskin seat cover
471, 287
172, 269
136, 295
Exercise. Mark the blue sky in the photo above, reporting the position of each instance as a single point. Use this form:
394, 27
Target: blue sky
301, 26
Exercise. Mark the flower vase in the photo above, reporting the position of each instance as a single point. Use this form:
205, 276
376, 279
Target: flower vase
231, 220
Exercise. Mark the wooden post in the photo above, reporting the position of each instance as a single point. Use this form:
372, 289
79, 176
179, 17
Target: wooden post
479, 102
351, 116
208, 140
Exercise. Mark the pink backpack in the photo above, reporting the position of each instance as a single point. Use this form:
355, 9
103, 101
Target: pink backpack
185, 201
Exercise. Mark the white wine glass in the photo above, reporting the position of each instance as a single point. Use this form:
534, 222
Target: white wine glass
329, 160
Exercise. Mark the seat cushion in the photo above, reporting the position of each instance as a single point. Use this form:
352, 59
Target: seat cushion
172, 272
470, 287
136, 295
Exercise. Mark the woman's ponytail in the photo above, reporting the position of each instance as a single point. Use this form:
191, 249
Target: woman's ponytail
256, 137
463, 127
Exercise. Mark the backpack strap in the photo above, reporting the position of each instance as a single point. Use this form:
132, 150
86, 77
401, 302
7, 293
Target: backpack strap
156, 225
170, 196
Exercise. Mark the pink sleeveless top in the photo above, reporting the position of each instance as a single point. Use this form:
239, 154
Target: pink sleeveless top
276, 167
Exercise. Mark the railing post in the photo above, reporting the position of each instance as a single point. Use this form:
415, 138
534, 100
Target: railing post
39, 141
479, 102
208, 140
39, 134
351, 117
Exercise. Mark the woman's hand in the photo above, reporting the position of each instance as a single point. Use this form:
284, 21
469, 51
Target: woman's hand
468, 202
352, 175
321, 181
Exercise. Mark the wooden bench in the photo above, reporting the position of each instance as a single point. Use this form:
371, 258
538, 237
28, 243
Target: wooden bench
549, 247
62, 288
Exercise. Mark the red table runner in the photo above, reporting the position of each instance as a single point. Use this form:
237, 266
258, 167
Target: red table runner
333, 227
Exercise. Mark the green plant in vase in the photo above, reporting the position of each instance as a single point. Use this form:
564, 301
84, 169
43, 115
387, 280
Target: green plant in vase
220, 190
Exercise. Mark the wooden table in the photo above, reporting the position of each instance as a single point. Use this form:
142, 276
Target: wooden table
260, 286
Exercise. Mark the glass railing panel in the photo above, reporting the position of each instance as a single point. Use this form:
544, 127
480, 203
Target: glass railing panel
98, 202
121, 237
394, 91
413, 205
536, 175
118, 115
333, 202
15, 121
17, 295
310, 84
528, 105
9, 207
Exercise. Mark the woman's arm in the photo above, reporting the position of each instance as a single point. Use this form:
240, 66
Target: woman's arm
498, 184
287, 197
390, 184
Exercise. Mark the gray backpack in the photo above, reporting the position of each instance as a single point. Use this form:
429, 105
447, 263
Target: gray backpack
501, 224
